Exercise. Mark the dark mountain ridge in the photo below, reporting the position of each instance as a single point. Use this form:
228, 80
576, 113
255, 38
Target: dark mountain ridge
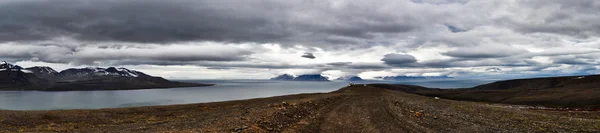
47, 79
544, 83
568, 91
284, 77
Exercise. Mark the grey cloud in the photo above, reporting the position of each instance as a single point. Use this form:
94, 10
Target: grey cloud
440, 1
398, 59
346, 66
572, 60
479, 62
339, 63
535, 68
368, 66
90, 55
157, 21
136, 21
308, 55
556, 16
563, 51
357, 65
219, 68
485, 51
454, 29
493, 69
136, 32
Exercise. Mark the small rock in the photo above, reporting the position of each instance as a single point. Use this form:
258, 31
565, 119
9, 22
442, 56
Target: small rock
435, 117
418, 114
269, 129
241, 128
285, 104
436, 98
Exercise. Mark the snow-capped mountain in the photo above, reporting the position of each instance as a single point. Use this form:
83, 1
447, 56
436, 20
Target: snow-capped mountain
44, 72
13, 77
97, 71
8, 66
83, 73
43, 69
284, 77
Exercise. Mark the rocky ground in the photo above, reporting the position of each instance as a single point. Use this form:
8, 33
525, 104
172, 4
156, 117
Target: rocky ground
351, 109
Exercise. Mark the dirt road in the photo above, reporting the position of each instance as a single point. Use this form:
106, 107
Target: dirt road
351, 109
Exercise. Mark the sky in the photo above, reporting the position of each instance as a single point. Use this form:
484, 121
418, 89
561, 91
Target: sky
259, 39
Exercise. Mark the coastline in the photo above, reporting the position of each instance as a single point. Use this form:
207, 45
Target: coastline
171, 84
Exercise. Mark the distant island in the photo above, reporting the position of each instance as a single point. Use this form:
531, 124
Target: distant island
350, 78
43, 78
411, 77
305, 77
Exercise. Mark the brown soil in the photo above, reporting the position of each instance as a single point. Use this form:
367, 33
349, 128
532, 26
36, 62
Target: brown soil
350, 109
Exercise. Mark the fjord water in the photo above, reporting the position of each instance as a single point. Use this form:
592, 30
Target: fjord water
225, 90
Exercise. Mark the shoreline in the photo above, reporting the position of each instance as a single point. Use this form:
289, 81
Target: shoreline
179, 85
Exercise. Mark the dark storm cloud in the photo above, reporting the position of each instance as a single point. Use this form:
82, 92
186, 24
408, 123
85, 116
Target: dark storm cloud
308, 55
135, 21
160, 21
151, 54
398, 59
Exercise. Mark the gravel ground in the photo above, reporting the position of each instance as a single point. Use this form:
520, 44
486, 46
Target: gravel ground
350, 109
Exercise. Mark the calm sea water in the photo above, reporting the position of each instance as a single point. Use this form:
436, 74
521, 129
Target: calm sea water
224, 90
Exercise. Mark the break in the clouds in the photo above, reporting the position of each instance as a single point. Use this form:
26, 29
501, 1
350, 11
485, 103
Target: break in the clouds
262, 38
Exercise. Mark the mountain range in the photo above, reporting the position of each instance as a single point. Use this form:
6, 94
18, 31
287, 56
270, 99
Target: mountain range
305, 77
45, 78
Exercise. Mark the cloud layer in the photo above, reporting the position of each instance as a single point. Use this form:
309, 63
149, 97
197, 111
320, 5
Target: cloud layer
261, 38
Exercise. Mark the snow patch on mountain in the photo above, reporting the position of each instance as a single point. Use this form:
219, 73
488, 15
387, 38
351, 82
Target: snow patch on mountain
26, 71
102, 71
